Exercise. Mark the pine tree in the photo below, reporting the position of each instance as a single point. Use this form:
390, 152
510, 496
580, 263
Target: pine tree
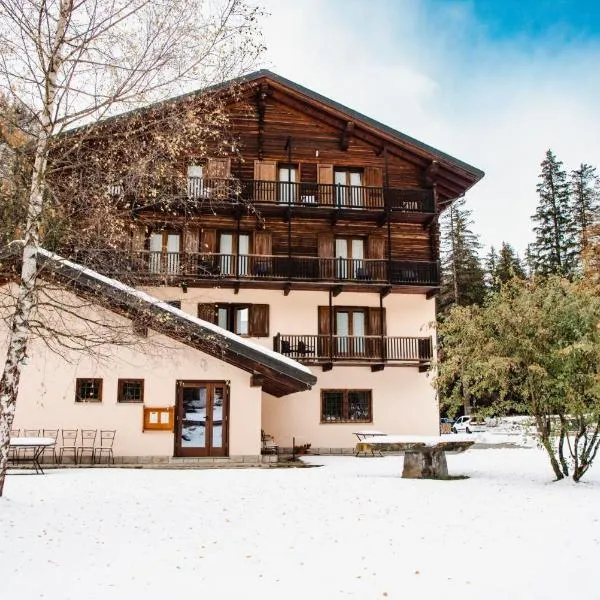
556, 247
462, 273
585, 202
503, 266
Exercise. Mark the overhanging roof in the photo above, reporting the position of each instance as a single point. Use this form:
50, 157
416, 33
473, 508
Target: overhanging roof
279, 374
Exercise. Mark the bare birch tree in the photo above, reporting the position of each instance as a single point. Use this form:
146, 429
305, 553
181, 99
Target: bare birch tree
70, 63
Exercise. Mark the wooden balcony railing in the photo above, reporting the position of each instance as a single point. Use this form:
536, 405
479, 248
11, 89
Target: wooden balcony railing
368, 348
301, 194
193, 265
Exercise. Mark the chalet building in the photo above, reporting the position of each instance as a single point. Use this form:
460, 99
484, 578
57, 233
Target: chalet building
335, 267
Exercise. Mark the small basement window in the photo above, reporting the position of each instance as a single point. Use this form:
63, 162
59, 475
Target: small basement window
346, 406
130, 390
88, 390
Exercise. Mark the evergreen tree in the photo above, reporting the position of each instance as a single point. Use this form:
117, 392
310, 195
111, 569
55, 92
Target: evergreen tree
508, 266
585, 202
491, 264
556, 246
462, 273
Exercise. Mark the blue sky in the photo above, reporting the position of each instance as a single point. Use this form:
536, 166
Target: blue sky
493, 82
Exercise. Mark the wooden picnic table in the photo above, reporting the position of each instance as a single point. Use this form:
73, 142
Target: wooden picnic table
424, 456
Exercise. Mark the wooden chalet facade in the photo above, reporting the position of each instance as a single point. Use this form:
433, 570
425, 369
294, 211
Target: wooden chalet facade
319, 239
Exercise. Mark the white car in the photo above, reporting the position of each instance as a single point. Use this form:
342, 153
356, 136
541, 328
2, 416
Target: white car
468, 424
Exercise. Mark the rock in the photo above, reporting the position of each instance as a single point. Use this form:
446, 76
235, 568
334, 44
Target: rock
425, 463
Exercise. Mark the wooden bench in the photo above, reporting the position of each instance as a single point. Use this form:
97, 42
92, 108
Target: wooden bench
424, 456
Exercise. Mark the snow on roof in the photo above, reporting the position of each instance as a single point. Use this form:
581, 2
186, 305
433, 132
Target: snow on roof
145, 297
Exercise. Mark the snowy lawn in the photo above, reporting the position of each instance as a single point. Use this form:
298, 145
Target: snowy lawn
351, 529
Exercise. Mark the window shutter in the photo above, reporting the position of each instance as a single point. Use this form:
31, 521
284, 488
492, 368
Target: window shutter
263, 244
191, 237
376, 326
376, 247
207, 312
326, 250
259, 320
218, 168
265, 170
208, 241
324, 332
325, 179
138, 237
373, 177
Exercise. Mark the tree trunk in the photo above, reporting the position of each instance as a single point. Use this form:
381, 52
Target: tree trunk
20, 330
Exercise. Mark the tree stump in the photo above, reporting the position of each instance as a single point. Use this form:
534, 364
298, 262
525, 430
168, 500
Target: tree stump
425, 463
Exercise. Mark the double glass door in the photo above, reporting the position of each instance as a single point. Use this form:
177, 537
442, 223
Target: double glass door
202, 416
350, 327
164, 253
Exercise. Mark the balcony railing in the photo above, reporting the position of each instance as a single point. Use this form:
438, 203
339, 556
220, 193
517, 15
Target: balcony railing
193, 265
368, 348
282, 193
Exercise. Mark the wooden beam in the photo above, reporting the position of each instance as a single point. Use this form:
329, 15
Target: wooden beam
385, 291
347, 134
287, 288
236, 287
424, 367
327, 366
335, 216
431, 172
432, 293
376, 368
257, 380
337, 290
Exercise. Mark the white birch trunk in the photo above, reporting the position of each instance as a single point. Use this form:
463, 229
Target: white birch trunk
25, 302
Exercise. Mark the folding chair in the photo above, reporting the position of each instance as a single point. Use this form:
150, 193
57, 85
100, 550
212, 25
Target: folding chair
27, 452
69, 444
88, 445
107, 438
50, 433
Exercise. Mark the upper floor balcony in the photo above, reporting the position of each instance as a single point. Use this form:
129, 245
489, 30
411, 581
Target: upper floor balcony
175, 267
305, 198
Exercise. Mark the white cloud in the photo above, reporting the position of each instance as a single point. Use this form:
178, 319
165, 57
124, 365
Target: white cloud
437, 77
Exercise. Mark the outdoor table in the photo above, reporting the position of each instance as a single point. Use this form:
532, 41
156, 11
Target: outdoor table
364, 434
37, 444
424, 456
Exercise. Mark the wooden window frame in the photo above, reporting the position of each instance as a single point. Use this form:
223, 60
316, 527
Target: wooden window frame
349, 240
235, 241
165, 236
80, 381
120, 391
348, 172
350, 310
231, 308
346, 406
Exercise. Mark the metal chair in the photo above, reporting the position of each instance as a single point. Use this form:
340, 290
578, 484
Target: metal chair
50, 433
88, 445
69, 444
107, 438
268, 445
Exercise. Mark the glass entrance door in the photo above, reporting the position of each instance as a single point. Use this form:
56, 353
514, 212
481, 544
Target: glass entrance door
201, 419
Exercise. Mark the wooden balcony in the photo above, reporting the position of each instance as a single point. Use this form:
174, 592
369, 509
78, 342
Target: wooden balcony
147, 266
368, 349
307, 197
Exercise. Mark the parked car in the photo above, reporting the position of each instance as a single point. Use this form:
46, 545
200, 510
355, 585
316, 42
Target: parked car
468, 424
447, 421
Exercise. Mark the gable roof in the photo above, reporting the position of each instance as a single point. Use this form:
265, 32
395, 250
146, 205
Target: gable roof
280, 375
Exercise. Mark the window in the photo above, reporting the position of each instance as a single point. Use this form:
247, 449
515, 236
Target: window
229, 246
130, 390
350, 329
288, 186
88, 390
244, 319
195, 182
348, 188
349, 255
164, 252
346, 406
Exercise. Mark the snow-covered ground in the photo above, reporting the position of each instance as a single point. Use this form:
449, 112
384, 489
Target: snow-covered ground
351, 529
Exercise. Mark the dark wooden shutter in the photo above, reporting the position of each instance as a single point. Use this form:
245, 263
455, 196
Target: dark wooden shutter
263, 243
208, 241
373, 178
376, 325
218, 168
324, 346
207, 312
325, 179
326, 250
258, 320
